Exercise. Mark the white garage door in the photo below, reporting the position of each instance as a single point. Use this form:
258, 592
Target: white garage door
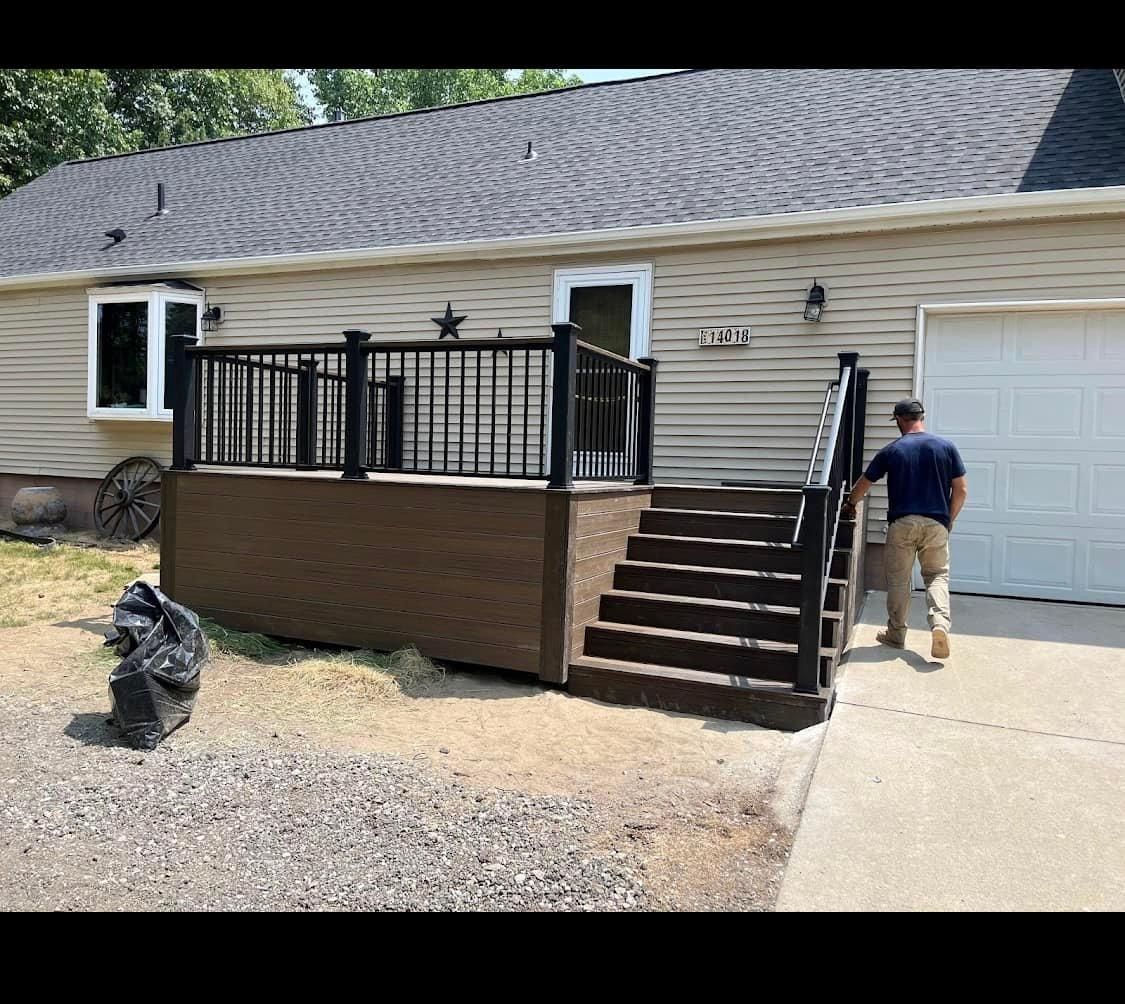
1035, 401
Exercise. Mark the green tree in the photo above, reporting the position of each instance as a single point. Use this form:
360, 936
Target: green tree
48, 116
361, 92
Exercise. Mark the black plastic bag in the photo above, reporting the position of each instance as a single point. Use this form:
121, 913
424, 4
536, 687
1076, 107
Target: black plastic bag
152, 690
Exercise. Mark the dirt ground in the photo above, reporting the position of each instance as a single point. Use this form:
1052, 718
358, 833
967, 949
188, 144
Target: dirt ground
708, 806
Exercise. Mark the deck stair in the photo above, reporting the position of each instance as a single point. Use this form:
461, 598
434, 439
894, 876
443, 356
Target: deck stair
703, 614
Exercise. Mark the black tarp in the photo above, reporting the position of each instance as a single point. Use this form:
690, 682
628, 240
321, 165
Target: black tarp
152, 690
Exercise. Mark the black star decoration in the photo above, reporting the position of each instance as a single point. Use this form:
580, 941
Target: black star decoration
499, 334
448, 323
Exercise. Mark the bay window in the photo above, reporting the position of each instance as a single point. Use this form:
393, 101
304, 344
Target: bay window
130, 348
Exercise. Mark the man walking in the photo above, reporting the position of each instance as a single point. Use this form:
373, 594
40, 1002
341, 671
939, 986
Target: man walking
927, 488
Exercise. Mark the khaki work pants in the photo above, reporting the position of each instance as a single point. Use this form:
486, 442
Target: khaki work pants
927, 540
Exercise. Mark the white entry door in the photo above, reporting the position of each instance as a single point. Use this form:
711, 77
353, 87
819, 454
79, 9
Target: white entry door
1035, 401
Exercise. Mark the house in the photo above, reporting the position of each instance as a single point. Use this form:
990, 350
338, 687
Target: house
962, 231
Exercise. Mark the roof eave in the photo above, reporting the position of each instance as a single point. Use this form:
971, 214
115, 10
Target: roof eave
1023, 206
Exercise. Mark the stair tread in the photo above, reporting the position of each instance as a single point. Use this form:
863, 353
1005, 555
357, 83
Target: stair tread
781, 517
707, 601
700, 676
726, 640
772, 544
749, 573
749, 489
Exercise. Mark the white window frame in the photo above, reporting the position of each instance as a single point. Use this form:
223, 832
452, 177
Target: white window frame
155, 296
637, 276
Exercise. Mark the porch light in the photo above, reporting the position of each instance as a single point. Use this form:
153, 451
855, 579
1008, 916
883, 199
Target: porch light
212, 318
814, 305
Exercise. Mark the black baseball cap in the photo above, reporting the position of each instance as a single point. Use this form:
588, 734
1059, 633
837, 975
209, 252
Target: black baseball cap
909, 407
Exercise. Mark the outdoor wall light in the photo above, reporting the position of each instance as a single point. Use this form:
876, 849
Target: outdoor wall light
212, 318
814, 305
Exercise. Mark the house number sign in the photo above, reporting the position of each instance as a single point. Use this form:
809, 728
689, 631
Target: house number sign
724, 336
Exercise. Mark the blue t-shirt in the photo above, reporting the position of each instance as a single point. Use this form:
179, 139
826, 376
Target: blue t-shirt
920, 468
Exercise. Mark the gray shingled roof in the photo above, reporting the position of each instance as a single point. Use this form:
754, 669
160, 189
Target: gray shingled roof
701, 145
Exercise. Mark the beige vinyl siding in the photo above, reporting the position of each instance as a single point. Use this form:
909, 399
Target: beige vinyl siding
722, 413
734, 413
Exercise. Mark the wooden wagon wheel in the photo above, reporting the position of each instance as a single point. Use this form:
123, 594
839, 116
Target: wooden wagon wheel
128, 500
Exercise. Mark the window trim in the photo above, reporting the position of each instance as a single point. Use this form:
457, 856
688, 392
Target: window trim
637, 276
155, 296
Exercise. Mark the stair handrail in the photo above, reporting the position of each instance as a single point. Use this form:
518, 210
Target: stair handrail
821, 506
831, 386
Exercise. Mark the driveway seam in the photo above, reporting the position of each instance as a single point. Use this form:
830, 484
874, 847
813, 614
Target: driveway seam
986, 725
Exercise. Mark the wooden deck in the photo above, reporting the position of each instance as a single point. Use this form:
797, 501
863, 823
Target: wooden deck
475, 570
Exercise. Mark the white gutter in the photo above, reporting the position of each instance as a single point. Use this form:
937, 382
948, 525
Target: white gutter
852, 219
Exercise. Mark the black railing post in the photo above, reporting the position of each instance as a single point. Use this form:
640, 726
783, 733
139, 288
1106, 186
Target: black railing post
306, 415
183, 403
814, 555
355, 403
563, 383
646, 423
395, 398
860, 423
848, 360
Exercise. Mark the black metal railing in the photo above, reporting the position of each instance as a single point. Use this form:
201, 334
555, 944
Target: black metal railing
534, 408
822, 499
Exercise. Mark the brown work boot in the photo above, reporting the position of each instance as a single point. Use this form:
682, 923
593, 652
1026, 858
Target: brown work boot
885, 638
939, 649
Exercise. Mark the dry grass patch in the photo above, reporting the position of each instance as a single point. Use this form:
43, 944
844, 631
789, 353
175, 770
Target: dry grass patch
42, 584
383, 676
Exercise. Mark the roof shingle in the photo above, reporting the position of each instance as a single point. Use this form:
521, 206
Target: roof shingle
707, 144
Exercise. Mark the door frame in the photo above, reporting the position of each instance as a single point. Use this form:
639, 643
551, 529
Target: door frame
637, 276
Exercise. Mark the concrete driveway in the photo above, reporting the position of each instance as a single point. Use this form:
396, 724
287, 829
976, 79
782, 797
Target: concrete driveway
993, 782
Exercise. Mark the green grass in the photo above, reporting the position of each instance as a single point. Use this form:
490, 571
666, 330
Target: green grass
58, 583
247, 644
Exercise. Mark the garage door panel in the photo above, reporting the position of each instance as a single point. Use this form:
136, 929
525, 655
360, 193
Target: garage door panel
981, 475
1047, 412
1107, 489
1106, 569
1109, 413
1033, 561
1035, 487
1054, 336
1037, 408
970, 559
966, 411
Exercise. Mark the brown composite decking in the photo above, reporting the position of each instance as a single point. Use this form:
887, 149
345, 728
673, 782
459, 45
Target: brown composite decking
468, 569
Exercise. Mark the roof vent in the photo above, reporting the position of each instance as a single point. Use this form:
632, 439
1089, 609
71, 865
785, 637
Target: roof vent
530, 155
161, 210
117, 235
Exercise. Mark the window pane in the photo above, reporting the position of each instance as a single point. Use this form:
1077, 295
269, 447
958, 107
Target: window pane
123, 355
604, 313
179, 319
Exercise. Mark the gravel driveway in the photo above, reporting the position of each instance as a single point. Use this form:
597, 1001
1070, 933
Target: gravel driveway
89, 824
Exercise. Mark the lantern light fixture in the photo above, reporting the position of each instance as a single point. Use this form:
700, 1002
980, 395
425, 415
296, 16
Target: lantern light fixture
212, 318
814, 304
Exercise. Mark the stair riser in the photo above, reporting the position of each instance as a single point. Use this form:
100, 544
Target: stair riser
726, 501
732, 527
759, 559
691, 654
715, 587
694, 699
685, 617
728, 527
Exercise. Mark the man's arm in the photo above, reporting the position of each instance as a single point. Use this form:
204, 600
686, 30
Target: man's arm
958, 496
859, 489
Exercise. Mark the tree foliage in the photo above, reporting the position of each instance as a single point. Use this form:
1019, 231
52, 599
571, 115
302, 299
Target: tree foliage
360, 92
49, 116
